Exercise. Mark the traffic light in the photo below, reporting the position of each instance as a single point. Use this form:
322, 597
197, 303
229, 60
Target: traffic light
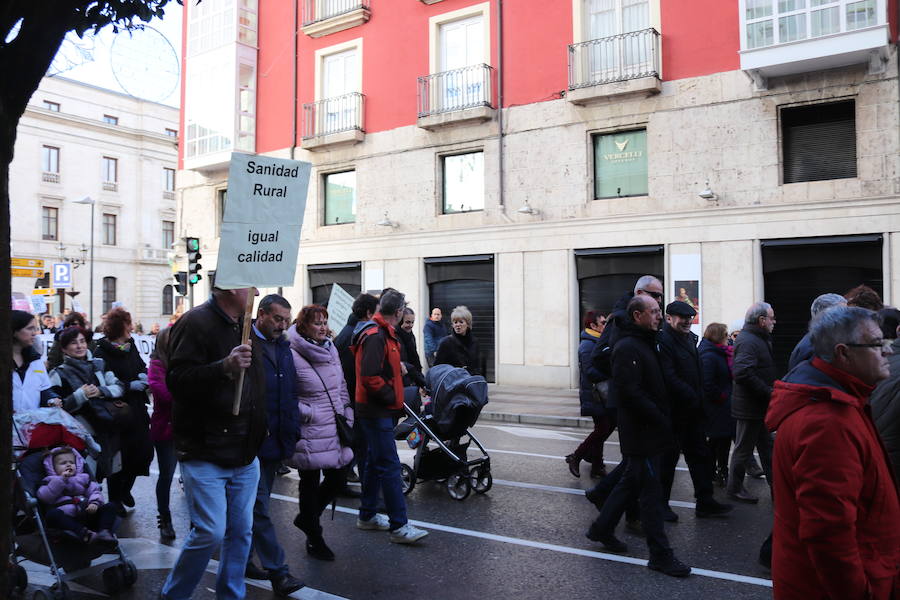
181, 283
193, 251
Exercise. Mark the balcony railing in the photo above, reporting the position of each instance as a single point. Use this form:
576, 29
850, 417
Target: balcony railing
315, 11
110, 186
50, 177
458, 89
334, 115
620, 57
168, 195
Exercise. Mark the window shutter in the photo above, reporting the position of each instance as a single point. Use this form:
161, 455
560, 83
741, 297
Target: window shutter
819, 142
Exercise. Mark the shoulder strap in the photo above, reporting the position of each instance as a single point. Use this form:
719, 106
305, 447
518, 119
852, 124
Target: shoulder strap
324, 386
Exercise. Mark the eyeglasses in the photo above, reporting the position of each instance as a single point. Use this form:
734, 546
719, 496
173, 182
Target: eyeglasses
654, 295
884, 345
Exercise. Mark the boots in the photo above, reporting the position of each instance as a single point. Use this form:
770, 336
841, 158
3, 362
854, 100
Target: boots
164, 522
315, 543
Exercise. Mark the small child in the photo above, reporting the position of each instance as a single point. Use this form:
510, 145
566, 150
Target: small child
74, 501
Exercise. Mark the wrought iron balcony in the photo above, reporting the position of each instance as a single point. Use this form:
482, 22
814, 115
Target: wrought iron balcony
459, 89
622, 57
334, 115
315, 11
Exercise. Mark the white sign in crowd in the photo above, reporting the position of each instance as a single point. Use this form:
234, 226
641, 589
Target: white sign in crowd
145, 344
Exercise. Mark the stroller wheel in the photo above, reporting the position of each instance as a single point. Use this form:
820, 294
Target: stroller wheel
60, 592
481, 479
129, 573
113, 580
407, 479
18, 579
459, 486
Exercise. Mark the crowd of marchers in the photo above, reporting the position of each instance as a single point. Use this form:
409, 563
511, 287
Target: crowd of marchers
322, 403
827, 433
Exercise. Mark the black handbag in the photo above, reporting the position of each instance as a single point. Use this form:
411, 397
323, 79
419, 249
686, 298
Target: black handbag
600, 392
345, 433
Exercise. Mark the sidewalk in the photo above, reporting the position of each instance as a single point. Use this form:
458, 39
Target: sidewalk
534, 406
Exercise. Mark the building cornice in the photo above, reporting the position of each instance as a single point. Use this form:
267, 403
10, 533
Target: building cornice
85, 123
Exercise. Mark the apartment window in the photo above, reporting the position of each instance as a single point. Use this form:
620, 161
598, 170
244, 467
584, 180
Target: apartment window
819, 141
620, 164
247, 22
51, 106
168, 234
49, 223
168, 300
109, 229
606, 18
168, 179
50, 159
340, 198
221, 198
463, 182
110, 120
340, 76
109, 293
769, 22
247, 107
110, 170
172, 132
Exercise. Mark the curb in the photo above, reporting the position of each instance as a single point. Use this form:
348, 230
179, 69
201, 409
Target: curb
527, 419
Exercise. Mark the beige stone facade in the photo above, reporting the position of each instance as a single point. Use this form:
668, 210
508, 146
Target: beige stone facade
716, 128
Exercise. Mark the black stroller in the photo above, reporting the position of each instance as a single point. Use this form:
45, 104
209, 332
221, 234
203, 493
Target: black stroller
440, 430
67, 557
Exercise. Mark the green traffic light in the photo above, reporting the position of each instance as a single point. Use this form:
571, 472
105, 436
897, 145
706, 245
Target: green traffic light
195, 278
193, 244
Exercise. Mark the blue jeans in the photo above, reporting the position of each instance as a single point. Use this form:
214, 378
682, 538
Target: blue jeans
220, 504
165, 458
265, 542
382, 472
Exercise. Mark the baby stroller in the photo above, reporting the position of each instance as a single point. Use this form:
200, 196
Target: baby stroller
68, 557
438, 433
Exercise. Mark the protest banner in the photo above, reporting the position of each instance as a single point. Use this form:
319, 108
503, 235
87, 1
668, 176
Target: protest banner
260, 234
143, 343
340, 305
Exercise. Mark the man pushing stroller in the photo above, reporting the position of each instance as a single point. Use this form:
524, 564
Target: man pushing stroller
74, 501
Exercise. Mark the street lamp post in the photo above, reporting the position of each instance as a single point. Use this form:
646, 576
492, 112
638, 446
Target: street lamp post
89, 200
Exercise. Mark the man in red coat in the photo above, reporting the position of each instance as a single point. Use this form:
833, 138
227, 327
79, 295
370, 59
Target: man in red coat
837, 513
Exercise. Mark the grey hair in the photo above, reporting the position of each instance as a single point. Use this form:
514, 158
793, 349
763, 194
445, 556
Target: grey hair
462, 312
839, 325
391, 302
826, 301
644, 281
756, 310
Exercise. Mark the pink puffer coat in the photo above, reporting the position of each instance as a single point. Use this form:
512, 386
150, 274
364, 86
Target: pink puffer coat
69, 494
319, 447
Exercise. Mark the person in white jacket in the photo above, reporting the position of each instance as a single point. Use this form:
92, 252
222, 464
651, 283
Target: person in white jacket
30, 382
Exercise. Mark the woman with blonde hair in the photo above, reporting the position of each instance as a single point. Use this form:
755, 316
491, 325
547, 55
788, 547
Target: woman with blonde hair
460, 348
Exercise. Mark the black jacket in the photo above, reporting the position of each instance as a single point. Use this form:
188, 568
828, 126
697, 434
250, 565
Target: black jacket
409, 354
601, 355
754, 373
645, 424
716, 390
348, 361
461, 351
681, 368
203, 394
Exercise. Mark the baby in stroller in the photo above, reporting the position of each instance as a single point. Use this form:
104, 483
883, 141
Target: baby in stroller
73, 501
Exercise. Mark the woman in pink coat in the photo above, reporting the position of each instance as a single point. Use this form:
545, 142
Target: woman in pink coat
321, 392
161, 432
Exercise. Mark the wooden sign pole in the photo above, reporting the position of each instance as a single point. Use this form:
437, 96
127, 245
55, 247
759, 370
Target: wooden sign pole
245, 338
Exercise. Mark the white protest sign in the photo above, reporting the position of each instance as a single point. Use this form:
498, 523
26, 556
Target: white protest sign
260, 233
144, 343
39, 304
340, 305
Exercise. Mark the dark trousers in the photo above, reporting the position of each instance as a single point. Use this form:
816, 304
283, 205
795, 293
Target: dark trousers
591, 449
690, 440
719, 448
317, 492
104, 518
265, 540
640, 479
165, 458
605, 487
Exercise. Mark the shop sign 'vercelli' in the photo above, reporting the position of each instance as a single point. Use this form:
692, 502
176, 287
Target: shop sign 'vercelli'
264, 210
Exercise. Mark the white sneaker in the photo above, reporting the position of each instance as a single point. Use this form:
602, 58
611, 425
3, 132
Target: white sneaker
407, 534
377, 523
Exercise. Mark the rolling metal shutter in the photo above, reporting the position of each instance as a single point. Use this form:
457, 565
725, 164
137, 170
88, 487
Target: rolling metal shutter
468, 281
819, 141
605, 274
322, 277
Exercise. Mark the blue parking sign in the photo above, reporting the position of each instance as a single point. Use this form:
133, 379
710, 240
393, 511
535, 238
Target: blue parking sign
61, 275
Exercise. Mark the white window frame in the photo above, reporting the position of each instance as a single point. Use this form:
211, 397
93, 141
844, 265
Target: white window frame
323, 53
48, 150
579, 19
482, 10
103, 169
841, 5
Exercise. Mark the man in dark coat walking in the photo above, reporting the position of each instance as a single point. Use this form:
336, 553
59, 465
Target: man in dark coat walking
684, 380
754, 375
804, 348
645, 433
272, 318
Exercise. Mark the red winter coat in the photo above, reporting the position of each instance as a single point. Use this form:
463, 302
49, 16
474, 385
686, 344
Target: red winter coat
837, 513
379, 383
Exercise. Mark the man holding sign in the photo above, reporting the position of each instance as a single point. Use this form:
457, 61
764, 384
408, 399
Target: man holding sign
217, 376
